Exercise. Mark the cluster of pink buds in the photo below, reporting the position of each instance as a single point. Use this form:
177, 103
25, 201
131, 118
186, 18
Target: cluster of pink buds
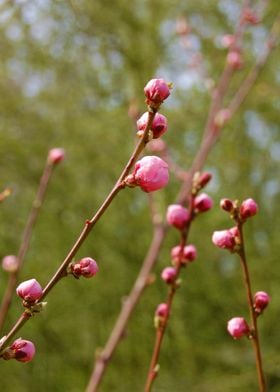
151, 172
156, 91
230, 238
10, 263
247, 209
237, 326
30, 291
22, 350
56, 155
183, 255
86, 267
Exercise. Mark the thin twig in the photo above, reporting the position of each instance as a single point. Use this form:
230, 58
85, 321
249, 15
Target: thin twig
161, 328
25, 241
127, 308
253, 314
61, 272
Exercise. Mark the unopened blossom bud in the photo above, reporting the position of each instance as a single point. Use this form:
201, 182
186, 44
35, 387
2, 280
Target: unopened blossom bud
238, 327
151, 173
56, 155
168, 274
183, 255
162, 310
204, 178
234, 59
22, 350
203, 203
227, 205
86, 267
248, 208
228, 40
29, 290
177, 216
261, 300
156, 91
10, 263
224, 239
158, 127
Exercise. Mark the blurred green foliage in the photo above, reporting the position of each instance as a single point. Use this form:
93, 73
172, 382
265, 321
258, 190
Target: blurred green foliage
68, 73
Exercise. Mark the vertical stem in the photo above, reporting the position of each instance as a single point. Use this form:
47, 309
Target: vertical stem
160, 329
25, 241
126, 311
253, 315
153, 371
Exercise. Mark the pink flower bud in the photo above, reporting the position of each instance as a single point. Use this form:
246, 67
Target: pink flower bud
227, 205
177, 216
29, 290
21, 350
224, 239
203, 203
86, 267
183, 256
151, 173
261, 300
228, 40
162, 310
204, 179
159, 124
234, 59
56, 155
248, 208
10, 263
156, 91
168, 274
238, 327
